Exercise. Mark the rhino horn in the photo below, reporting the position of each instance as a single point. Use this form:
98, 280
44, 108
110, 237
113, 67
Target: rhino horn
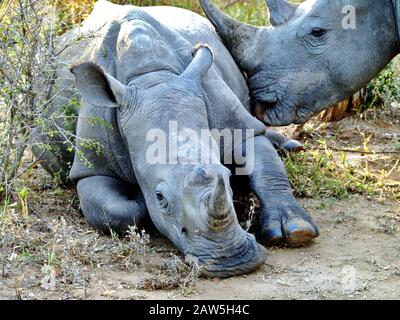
280, 11
203, 58
240, 38
220, 205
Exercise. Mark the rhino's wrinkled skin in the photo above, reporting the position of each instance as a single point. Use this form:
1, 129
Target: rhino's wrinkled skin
142, 76
311, 57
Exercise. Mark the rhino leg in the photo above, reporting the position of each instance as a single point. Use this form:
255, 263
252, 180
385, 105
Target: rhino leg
282, 219
111, 204
281, 142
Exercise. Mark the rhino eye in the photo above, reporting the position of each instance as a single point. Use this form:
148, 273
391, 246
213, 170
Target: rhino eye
318, 32
162, 201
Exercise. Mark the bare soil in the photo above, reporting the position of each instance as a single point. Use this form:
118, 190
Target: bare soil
356, 256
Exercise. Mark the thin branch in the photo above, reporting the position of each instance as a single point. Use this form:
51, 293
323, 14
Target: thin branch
355, 151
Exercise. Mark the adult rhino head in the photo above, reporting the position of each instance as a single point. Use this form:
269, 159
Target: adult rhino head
189, 202
314, 55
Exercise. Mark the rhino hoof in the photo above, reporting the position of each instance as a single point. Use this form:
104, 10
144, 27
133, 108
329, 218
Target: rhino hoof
289, 225
297, 238
300, 237
293, 146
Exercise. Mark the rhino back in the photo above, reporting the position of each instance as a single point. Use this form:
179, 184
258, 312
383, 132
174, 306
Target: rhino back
153, 39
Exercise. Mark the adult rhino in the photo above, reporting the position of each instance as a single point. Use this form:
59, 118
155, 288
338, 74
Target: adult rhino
311, 57
142, 76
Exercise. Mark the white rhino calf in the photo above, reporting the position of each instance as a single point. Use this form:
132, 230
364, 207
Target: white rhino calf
141, 77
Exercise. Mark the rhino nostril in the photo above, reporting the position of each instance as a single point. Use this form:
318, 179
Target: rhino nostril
264, 104
269, 105
268, 101
269, 98
184, 230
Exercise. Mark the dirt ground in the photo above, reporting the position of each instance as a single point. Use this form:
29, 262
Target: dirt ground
54, 254
356, 257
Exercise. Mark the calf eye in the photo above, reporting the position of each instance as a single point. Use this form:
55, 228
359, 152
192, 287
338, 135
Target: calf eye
162, 200
317, 32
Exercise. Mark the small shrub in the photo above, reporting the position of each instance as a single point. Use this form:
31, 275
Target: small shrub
384, 89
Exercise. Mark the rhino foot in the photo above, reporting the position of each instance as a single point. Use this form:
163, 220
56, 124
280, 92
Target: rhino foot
285, 223
281, 142
293, 146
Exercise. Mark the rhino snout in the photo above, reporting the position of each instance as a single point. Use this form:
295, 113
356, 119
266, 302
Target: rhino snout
235, 256
213, 237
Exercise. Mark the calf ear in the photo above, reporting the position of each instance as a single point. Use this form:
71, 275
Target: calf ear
203, 58
280, 11
99, 88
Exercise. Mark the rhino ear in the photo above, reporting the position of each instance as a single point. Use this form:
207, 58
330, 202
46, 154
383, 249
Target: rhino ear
280, 11
203, 58
99, 88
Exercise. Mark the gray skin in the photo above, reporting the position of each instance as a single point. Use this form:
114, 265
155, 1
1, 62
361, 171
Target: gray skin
306, 61
142, 76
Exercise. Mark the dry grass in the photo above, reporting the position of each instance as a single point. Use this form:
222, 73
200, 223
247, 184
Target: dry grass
51, 248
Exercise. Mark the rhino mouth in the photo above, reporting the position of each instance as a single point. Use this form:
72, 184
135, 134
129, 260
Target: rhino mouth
272, 105
276, 113
224, 260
